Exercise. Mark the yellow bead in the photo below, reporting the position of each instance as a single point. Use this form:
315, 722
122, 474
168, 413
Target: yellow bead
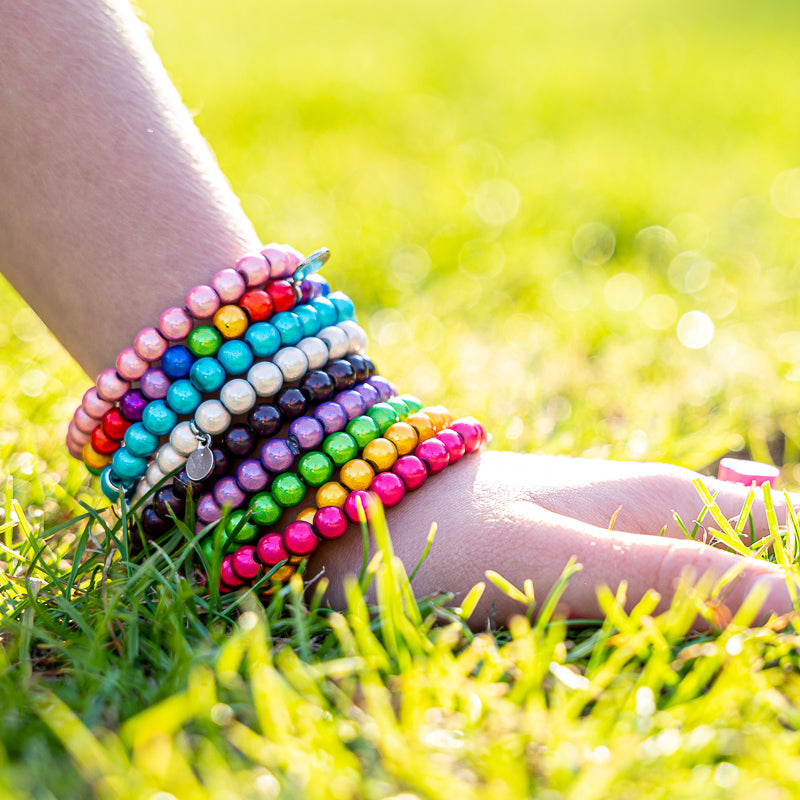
439, 416
94, 459
331, 493
356, 474
307, 515
283, 573
422, 424
403, 437
231, 321
381, 454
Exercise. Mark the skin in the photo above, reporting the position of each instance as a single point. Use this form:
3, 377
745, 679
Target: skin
110, 215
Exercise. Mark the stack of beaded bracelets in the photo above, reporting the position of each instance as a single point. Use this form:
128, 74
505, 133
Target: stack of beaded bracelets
197, 403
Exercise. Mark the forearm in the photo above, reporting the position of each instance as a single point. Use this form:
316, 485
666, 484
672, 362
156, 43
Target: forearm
111, 204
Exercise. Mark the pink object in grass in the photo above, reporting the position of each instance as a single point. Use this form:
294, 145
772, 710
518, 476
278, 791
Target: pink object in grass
174, 324
229, 578
299, 538
270, 549
352, 502
748, 473
202, 302
283, 260
94, 405
254, 268
229, 285
130, 365
149, 344
244, 563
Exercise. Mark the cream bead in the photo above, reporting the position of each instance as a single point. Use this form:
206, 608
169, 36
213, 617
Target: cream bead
265, 378
183, 439
169, 459
142, 488
238, 396
212, 417
337, 340
292, 362
154, 475
316, 351
356, 334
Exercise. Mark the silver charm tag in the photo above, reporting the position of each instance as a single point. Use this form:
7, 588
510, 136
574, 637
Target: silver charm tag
312, 264
200, 463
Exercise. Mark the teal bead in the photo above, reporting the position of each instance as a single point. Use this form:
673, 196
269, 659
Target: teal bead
207, 375
158, 418
110, 490
309, 319
289, 326
315, 468
204, 340
239, 529
235, 356
340, 447
345, 309
183, 398
265, 511
326, 310
264, 339
400, 406
126, 467
288, 490
139, 441
383, 415
363, 429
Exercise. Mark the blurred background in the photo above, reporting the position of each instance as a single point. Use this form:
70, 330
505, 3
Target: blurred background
577, 221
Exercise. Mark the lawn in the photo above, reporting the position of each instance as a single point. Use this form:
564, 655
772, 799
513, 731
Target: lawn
578, 222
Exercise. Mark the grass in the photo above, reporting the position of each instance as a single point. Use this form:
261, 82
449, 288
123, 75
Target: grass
558, 197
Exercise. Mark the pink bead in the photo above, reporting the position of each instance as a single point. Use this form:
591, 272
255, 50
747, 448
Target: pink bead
453, 443
244, 563
202, 302
83, 422
434, 454
229, 285
93, 405
330, 522
748, 473
110, 386
352, 502
299, 538
149, 344
254, 268
75, 434
411, 471
471, 431
270, 549
130, 366
228, 577
389, 488
207, 509
283, 260
175, 324
75, 449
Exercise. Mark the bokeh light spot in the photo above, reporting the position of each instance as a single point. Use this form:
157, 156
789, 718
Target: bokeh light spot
656, 245
571, 292
27, 326
659, 311
411, 263
695, 330
623, 291
785, 193
594, 243
497, 201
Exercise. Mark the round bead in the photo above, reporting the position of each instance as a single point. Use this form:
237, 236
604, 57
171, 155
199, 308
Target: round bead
183, 439
127, 467
236, 357
368, 362
470, 431
403, 437
288, 490
316, 351
240, 529
204, 340
154, 384
399, 406
299, 539
356, 474
342, 373
331, 493
340, 448
149, 344
202, 302
317, 386
380, 454
222, 461
93, 459
130, 366
258, 305
356, 336
270, 550
359, 364
277, 456
153, 523
291, 403
330, 522
77, 436
315, 469
207, 375
114, 426
309, 319
229, 285
227, 492
169, 459
83, 421
422, 424
110, 386
306, 515
369, 394
315, 286
103, 443
177, 362
337, 341
264, 339
292, 363
208, 510
411, 470
238, 396
93, 405
183, 485
282, 258
354, 500
389, 488
231, 321
183, 398
413, 403
212, 417
282, 294
289, 326
331, 416
154, 475
265, 378
139, 441
251, 476
383, 415
264, 510
434, 454
384, 389
165, 500
254, 268
439, 416
227, 576
307, 432
174, 324
345, 310
240, 440
132, 405
265, 419
453, 443
352, 403
159, 418
363, 429
244, 564
326, 310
